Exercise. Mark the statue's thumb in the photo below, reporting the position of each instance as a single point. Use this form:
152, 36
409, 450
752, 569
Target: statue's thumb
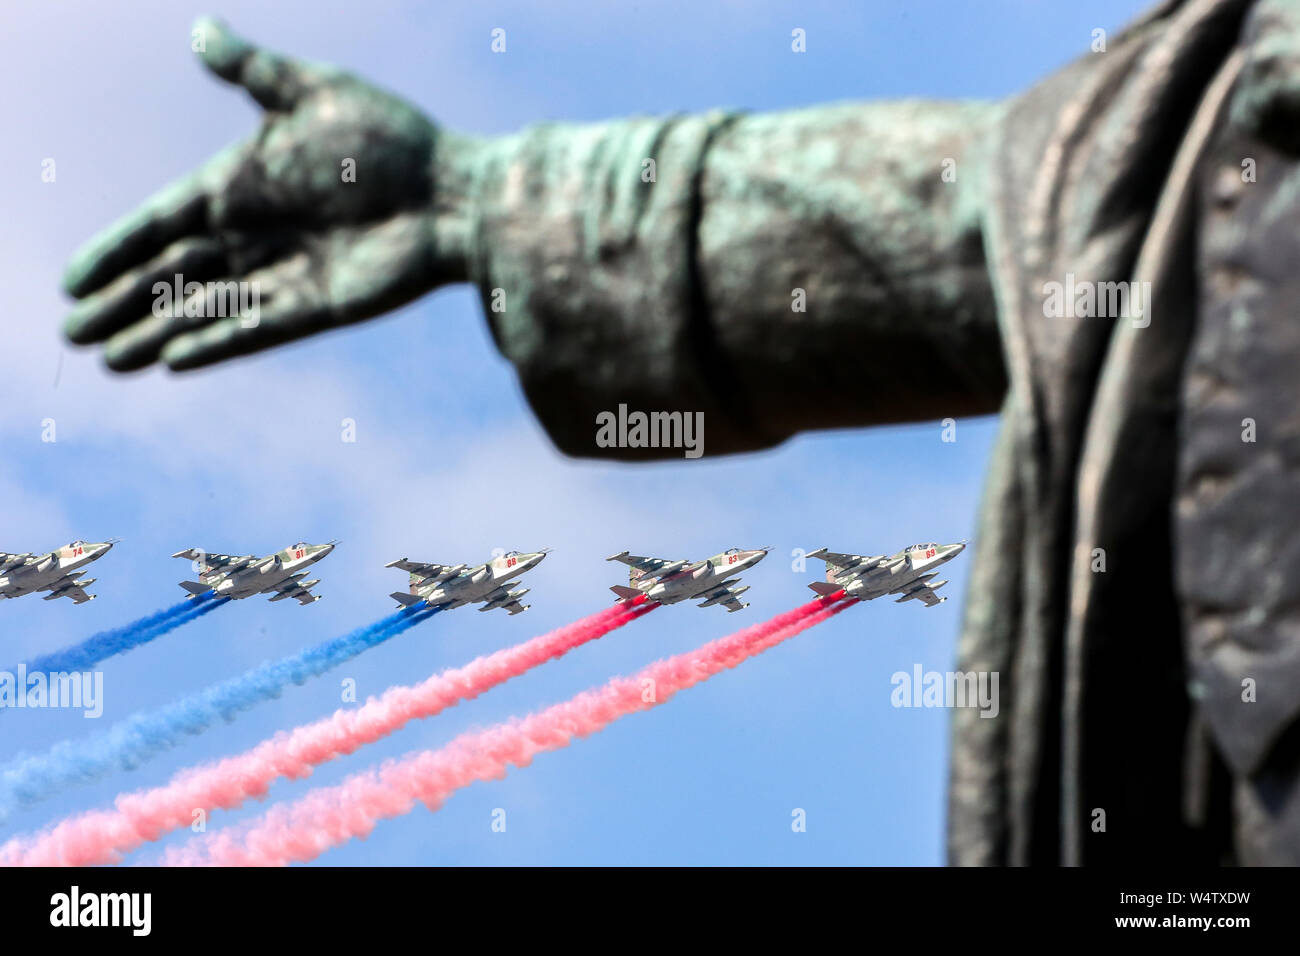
271, 79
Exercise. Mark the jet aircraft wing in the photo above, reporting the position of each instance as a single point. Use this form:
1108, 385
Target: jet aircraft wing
10, 561
419, 567
67, 587
642, 563
216, 562
500, 598
299, 591
925, 594
841, 560
728, 597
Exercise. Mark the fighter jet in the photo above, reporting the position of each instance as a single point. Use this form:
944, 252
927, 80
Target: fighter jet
26, 573
667, 582
904, 573
243, 576
454, 585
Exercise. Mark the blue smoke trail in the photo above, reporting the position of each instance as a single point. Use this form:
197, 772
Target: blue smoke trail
106, 644
131, 742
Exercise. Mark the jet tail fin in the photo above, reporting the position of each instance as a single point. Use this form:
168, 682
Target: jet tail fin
404, 599
195, 588
625, 594
823, 587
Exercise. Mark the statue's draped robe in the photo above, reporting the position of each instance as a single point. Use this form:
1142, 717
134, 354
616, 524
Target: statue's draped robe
1137, 574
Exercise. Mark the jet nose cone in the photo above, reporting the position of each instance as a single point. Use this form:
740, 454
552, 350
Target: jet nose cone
537, 558
956, 549
311, 553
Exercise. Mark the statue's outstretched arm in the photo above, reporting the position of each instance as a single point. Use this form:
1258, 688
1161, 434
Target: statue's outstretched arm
777, 272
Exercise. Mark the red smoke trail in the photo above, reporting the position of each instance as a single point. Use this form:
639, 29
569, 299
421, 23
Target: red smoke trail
329, 816
101, 836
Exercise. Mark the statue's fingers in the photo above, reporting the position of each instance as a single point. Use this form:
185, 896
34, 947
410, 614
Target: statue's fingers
134, 293
277, 82
139, 344
215, 304
176, 211
286, 303
231, 338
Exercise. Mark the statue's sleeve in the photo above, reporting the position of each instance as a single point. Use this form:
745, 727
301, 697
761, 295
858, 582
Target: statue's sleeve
781, 272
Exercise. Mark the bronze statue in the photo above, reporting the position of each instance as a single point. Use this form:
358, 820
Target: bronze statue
1137, 582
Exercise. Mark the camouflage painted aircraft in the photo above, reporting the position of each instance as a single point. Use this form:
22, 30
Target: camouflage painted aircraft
27, 573
454, 585
243, 576
667, 582
903, 573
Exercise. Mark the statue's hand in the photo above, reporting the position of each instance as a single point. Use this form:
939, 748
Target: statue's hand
317, 246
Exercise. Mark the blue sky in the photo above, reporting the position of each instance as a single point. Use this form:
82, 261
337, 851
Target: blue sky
449, 463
